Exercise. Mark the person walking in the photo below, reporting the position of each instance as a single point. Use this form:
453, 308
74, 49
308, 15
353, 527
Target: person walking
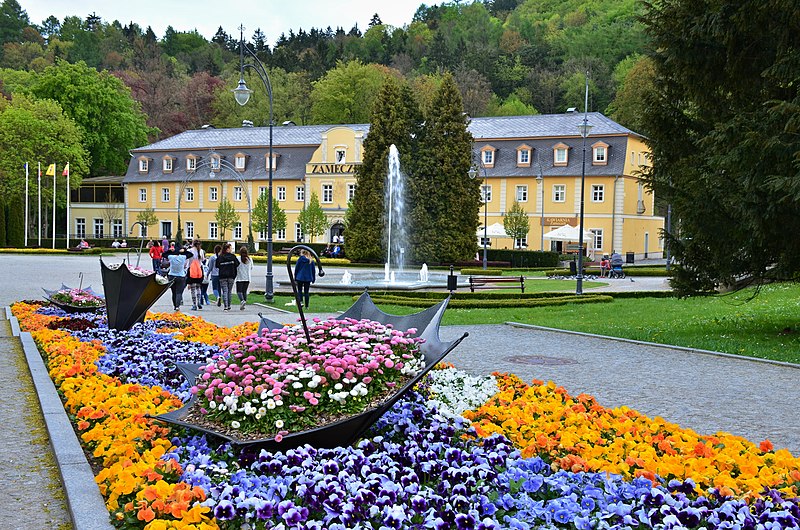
243, 276
204, 285
177, 273
213, 273
226, 264
156, 252
304, 276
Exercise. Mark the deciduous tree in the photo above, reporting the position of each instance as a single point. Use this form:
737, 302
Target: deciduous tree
312, 219
516, 222
225, 216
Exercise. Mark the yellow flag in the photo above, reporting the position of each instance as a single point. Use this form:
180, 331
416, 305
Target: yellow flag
51, 170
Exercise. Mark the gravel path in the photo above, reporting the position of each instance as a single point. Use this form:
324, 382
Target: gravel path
707, 393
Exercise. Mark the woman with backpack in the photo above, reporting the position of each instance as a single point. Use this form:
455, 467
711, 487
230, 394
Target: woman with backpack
194, 279
226, 264
243, 276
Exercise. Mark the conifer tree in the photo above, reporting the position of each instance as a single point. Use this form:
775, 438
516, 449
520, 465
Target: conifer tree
395, 120
444, 200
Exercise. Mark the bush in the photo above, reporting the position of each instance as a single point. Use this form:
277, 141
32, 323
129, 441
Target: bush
524, 258
481, 272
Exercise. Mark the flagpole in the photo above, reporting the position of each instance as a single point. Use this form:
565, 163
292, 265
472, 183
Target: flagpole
54, 205
26, 204
39, 214
68, 196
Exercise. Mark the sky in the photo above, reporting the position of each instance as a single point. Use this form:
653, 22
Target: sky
272, 16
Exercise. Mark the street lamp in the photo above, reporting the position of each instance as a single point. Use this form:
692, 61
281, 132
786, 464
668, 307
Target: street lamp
540, 181
473, 173
242, 95
584, 129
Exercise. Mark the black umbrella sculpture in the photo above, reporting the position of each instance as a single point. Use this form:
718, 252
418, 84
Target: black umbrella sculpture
128, 296
346, 431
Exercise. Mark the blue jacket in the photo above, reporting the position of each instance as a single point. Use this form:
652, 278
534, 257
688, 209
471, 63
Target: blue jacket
304, 270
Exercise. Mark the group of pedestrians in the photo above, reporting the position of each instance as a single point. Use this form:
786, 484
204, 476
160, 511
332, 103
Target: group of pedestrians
188, 266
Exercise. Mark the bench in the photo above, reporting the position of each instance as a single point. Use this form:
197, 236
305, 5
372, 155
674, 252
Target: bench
496, 282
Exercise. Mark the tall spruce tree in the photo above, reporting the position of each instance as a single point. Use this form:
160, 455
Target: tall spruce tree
444, 200
395, 120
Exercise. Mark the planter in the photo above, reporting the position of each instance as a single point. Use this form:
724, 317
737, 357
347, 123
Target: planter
346, 431
129, 296
69, 308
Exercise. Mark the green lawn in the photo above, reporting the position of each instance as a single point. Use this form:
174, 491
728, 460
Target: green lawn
768, 326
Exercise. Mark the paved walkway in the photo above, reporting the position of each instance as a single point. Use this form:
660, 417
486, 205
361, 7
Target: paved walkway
704, 392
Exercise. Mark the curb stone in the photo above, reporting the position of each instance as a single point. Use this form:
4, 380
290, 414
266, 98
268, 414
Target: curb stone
657, 345
86, 506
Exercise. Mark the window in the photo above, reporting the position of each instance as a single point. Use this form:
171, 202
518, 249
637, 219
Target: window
215, 163
189, 194
143, 165
165, 194
98, 228
239, 161
327, 193
262, 191
213, 231
190, 229
559, 192
80, 227
116, 228
486, 241
524, 155
237, 193
300, 194
597, 238
281, 234
599, 154
142, 194
640, 209
212, 193
281, 193
486, 193
167, 165
340, 155
298, 232
521, 242
351, 191
274, 161
237, 231
191, 163
488, 157
598, 192
143, 230
561, 156
522, 193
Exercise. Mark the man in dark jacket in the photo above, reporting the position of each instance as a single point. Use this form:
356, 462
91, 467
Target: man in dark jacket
226, 264
304, 276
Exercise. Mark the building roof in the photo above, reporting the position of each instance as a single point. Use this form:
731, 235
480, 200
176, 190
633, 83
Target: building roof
544, 125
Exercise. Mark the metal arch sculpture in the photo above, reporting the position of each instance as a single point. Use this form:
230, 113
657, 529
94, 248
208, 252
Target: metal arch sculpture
223, 164
348, 430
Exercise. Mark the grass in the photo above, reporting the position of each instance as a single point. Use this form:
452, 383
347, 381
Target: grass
767, 326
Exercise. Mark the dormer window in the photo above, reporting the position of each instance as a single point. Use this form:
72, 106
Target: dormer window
240, 161
560, 154
191, 163
215, 162
523, 156
274, 161
166, 164
600, 154
340, 155
488, 156
144, 165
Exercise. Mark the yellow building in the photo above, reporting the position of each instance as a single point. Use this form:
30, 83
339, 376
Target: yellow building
533, 160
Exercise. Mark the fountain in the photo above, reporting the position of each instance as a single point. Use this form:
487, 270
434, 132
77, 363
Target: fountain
423, 273
347, 278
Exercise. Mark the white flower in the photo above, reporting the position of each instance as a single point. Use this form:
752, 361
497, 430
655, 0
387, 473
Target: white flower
235, 424
270, 404
212, 405
278, 423
297, 385
338, 386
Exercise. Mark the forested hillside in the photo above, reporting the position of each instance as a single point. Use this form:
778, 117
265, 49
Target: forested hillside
508, 57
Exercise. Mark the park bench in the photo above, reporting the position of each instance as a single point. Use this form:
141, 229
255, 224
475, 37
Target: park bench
496, 282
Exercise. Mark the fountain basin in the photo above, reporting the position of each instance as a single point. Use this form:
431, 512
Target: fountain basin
403, 281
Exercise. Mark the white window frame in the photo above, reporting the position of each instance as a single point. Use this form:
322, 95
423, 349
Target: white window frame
190, 229
281, 193
144, 165
597, 238
240, 162
189, 194
167, 166
213, 231
116, 228
521, 193
487, 157
339, 155
80, 227
215, 163
600, 154
300, 194
486, 193
559, 192
98, 224
142, 194
165, 194
237, 193
237, 231
523, 156
281, 234
213, 194
521, 242
351, 191
598, 192
191, 164
262, 191
298, 232
327, 193
560, 155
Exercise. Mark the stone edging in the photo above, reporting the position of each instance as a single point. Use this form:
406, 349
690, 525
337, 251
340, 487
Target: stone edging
657, 345
86, 506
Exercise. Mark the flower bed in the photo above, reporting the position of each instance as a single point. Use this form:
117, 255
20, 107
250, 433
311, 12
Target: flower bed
141, 272
417, 468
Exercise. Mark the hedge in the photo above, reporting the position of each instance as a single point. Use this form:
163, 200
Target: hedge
524, 258
482, 303
482, 272
629, 271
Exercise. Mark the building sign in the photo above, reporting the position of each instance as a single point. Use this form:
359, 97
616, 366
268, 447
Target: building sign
329, 169
560, 221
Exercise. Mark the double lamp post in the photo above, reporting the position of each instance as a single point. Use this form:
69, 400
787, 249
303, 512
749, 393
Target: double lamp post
473, 173
242, 95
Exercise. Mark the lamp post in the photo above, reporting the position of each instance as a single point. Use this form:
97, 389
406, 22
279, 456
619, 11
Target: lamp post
473, 173
540, 180
242, 95
584, 129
